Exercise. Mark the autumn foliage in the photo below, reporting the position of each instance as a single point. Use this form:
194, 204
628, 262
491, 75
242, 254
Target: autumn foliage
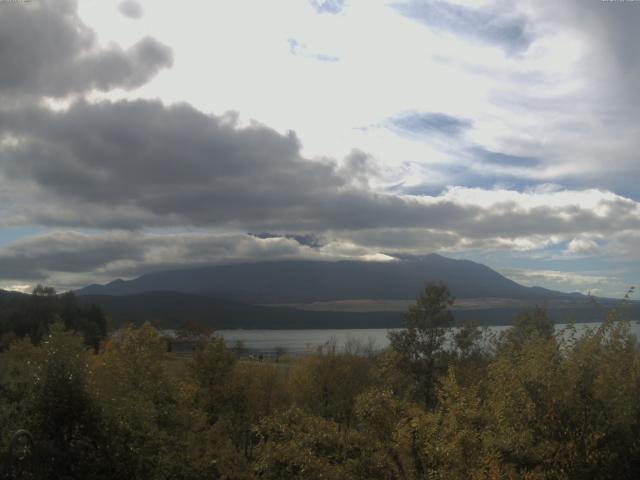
532, 403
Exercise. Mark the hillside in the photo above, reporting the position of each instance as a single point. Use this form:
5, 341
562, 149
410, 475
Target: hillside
171, 309
311, 281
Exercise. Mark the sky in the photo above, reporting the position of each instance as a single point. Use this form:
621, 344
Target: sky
146, 135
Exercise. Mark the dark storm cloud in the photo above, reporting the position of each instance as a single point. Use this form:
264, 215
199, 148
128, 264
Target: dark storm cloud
425, 123
79, 258
142, 164
133, 164
176, 165
614, 23
511, 32
358, 167
70, 252
611, 28
46, 50
131, 9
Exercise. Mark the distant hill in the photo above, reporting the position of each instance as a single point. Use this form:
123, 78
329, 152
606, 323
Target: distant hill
311, 281
172, 309
10, 294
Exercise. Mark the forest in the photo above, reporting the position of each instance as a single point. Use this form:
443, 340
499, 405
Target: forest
531, 403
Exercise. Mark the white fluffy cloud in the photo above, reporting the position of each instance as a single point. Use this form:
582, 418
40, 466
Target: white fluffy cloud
567, 280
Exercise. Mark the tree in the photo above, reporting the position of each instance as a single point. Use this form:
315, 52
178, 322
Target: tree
89, 320
296, 445
48, 386
467, 340
529, 325
211, 369
421, 341
144, 418
43, 291
32, 316
390, 426
327, 382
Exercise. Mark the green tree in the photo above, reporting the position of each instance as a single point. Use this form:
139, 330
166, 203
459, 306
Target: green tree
43, 291
419, 344
452, 434
211, 369
222, 391
327, 382
528, 325
89, 320
147, 419
467, 341
296, 445
49, 388
566, 407
32, 315
394, 429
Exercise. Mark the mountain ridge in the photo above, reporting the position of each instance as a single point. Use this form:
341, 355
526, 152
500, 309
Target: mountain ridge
291, 281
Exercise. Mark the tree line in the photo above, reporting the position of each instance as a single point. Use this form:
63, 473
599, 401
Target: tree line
530, 403
31, 316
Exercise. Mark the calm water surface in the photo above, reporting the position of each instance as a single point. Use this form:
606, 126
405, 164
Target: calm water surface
296, 342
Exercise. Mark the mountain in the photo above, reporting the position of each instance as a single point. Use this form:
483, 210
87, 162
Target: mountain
293, 281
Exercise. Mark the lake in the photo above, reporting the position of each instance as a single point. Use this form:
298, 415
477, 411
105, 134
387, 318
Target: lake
296, 342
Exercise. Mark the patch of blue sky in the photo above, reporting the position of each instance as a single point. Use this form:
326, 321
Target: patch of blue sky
460, 175
328, 6
544, 268
427, 123
499, 158
300, 49
510, 32
623, 185
10, 235
548, 267
326, 58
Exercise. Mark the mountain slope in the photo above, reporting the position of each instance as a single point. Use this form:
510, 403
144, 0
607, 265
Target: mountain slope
172, 309
308, 281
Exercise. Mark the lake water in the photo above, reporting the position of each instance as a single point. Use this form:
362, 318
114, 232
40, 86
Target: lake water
296, 342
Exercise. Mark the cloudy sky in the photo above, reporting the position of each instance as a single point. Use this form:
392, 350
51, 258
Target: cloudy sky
137, 136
